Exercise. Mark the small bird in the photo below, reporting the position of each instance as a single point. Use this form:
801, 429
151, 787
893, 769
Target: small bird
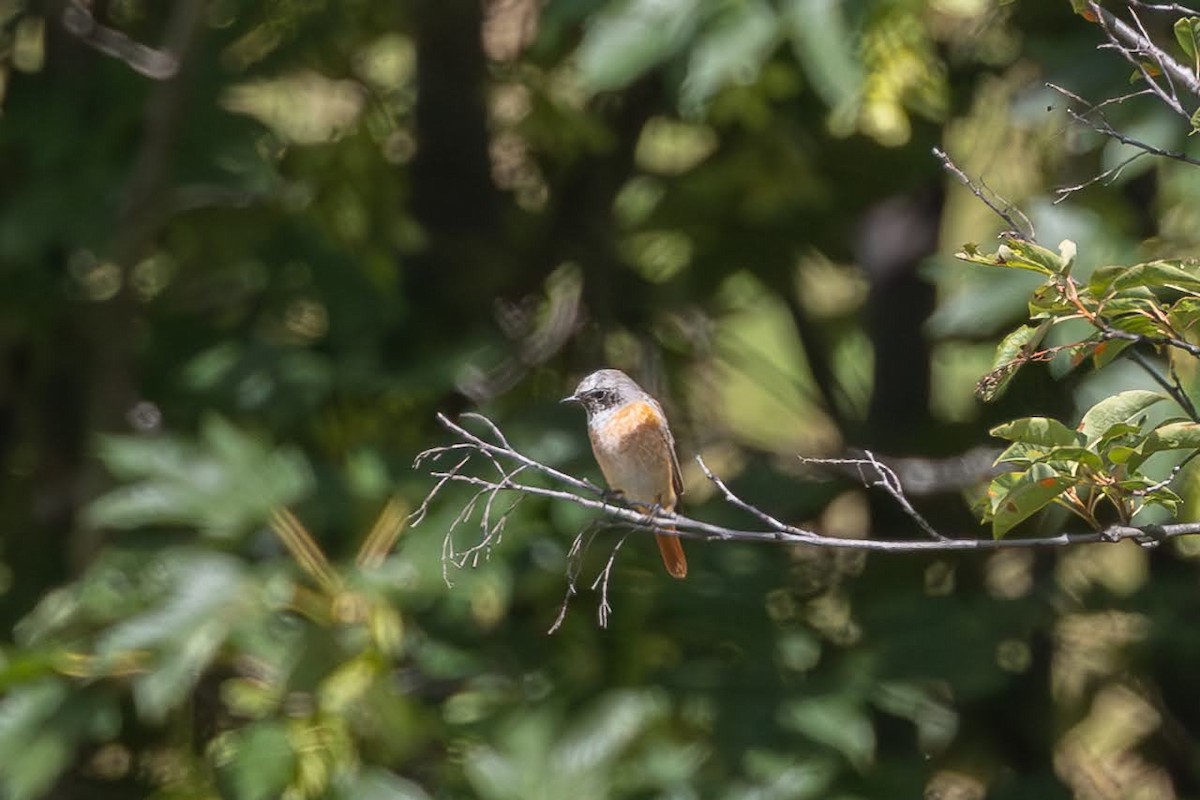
635, 450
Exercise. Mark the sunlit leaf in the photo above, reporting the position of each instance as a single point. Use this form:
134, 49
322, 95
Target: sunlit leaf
837, 722
376, 784
825, 46
935, 720
1187, 33
1017, 253
1037, 430
629, 38
261, 762
1010, 355
730, 50
1173, 436
225, 485
1125, 407
1184, 314
1141, 324
1025, 495
206, 596
1153, 274
611, 726
1049, 301
41, 725
1062, 455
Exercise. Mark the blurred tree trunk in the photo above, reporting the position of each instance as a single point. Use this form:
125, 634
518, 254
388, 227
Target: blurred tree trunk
452, 193
897, 235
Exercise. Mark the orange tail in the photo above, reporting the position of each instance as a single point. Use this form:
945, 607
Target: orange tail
672, 555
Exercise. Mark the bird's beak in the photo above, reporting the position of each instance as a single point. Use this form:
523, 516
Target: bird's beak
570, 399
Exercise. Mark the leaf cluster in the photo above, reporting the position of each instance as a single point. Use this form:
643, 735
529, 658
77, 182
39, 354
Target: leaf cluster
1099, 464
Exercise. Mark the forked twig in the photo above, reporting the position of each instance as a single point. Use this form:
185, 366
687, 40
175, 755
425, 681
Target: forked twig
884, 478
1001, 207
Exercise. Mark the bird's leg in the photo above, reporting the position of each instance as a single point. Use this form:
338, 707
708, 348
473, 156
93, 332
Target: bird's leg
613, 496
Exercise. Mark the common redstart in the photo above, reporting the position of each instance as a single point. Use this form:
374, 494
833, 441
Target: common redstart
635, 450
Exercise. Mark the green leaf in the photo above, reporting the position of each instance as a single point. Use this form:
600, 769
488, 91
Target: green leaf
1123, 430
1024, 455
207, 595
1017, 499
1017, 253
603, 734
731, 49
1010, 355
41, 726
823, 43
1141, 324
1021, 454
225, 485
1153, 274
628, 39
1107, 351
1123, 454
23, 717
1122, 444
836, 722
1049, 301
376, 784
1073, 456
262, 761
1187, 33
1120, 408
1173, 436
1037, 430
1184, 314
1030, 255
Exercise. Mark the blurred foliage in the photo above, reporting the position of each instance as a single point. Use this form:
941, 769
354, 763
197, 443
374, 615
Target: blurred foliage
248, 250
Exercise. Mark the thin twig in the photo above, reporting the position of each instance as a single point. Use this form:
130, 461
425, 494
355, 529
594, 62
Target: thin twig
1131, 43
999, 205
690, 528
579, 547
1109, 332
1169, 7
1093, 117
886, 479
1173, 388
734, 500
159, 64
604, 609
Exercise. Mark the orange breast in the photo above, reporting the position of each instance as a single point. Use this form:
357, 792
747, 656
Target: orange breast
632, 450
633, 420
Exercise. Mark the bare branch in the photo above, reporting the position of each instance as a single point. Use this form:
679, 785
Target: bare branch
1002, 208
1132, 43
1175, 8
1171, 386
1092, 116
1107, 177
1109, 332
570, 489
579, 547
884, 478
734, 500
602, 581
160, 65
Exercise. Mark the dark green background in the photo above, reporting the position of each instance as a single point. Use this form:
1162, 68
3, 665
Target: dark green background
256, 282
